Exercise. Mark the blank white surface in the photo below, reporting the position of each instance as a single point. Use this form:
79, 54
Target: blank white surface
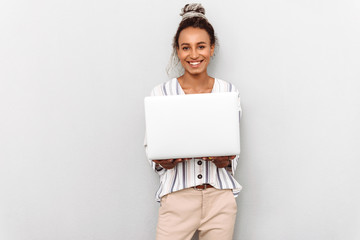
72, 80
192, 125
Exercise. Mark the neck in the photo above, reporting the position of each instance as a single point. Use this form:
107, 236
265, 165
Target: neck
196, 83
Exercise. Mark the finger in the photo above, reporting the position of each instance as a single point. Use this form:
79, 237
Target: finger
166, 164
221, 160
222, 163
168, 160
163, 160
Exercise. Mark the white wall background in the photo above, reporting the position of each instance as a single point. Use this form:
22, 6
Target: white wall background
73, 75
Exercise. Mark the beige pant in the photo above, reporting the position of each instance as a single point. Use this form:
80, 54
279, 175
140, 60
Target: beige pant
211, 211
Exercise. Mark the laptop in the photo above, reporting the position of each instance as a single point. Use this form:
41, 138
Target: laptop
192, 125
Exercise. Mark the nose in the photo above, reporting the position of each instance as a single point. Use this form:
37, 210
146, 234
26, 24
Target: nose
194, 54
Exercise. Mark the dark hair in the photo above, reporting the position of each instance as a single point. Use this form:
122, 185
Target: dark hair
195, 22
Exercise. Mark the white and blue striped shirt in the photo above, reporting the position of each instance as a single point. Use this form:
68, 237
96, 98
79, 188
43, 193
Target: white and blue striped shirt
194, 172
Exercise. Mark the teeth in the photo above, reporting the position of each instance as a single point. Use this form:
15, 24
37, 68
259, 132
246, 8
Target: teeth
194, 63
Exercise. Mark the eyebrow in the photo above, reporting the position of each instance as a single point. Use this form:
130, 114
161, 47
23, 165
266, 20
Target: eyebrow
189, 43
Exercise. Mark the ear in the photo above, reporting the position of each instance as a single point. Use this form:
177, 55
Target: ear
212, 49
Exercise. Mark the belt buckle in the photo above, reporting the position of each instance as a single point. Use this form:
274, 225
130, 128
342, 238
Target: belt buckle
199, 189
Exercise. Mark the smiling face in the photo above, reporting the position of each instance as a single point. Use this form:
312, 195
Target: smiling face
194, 50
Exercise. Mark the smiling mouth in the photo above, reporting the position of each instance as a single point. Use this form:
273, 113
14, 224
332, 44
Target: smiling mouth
195, 64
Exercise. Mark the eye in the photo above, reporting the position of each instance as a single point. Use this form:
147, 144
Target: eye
185, 48
201, 47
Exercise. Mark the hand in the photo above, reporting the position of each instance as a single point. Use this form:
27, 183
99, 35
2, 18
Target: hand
220, 162
170, 163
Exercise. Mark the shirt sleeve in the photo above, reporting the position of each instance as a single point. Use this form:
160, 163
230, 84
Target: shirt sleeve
232, 166
233, 163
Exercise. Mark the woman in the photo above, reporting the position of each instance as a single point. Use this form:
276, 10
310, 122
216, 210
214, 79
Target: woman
195, 193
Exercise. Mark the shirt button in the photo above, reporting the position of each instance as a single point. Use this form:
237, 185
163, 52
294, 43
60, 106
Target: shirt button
199, 176
199, 162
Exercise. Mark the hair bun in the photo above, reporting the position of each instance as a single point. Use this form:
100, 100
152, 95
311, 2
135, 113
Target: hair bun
193, 7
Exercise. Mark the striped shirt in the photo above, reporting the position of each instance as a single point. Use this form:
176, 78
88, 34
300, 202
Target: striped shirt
195, 171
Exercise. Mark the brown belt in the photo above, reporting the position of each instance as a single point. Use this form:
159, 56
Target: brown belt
203, 187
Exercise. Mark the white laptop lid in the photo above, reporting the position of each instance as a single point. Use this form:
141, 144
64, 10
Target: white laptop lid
192, 125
